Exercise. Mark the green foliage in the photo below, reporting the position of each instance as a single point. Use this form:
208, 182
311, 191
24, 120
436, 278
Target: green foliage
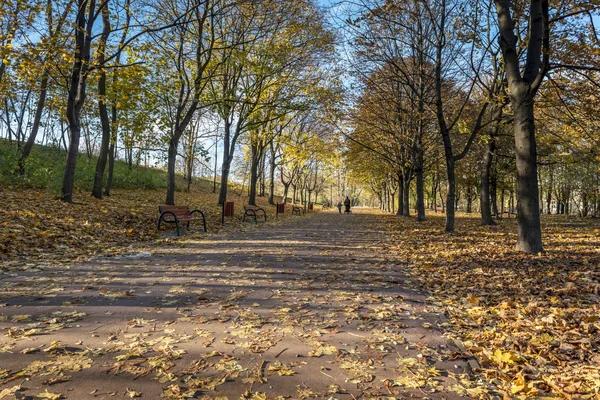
44, 169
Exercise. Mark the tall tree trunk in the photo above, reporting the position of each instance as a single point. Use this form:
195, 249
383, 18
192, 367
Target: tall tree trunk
486, 167
272, 175
469, 198
494, 191
400, 195
450, 196
225, 165
104, 121
406, 195
254, 164
420, 187
522, 88
36, 123
529, 233
286, 188
172, 157
549, 192
263, 170
112, 153
443, 202
77, 91
216, 161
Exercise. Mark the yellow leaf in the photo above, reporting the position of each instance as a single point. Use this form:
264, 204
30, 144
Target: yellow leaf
9, 392
50, 396
518, 384
132, 393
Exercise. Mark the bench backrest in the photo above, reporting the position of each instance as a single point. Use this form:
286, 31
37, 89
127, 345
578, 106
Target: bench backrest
180, 211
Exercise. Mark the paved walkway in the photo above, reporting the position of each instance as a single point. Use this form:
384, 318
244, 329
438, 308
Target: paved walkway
307, 308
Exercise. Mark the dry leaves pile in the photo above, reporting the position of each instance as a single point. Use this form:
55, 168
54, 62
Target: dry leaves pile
531, 321
36, 225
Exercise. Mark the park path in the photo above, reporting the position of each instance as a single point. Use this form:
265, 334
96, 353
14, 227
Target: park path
309, 307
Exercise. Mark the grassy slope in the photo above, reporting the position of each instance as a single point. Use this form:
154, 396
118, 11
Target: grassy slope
35, 224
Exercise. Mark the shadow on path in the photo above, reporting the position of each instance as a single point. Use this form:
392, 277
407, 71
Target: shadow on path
309, 308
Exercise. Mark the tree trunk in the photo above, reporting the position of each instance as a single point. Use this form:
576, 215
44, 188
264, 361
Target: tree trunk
486, 167
450, 196
420, 188
406, 195
272, 175
254, 164
104, 122
172, 157
216, 160
529, 236
77, 92
190, 167
549, 192
484, 199
224, 177
226, 164
469, 198
36, 123
286, 188
112, 150
494, 191
263, 171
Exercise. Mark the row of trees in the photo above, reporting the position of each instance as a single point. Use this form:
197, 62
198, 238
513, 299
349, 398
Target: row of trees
159, 77
475, 92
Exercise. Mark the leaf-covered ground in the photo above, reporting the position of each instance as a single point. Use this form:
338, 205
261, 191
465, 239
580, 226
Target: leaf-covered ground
309, 308
531, 321
323, 306
34, 225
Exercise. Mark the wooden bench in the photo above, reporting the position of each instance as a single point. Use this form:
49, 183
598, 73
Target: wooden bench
177, 214
296, 210
253, 211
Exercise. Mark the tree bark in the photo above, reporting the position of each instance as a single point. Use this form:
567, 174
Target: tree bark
521, 90
104, 121
77, 91
36, 123
529, 236
469, 198
272, 166
172, 157
286, 189
225, 165
450, 196
484, 198
406, 195
486, 168
420, 187
112, 153
494, 191
254, 164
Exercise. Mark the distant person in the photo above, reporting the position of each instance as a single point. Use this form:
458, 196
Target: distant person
339, 206
347, 204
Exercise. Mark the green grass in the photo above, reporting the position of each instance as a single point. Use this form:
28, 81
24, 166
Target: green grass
45, 166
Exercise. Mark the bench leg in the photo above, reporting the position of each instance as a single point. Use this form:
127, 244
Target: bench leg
177, 225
